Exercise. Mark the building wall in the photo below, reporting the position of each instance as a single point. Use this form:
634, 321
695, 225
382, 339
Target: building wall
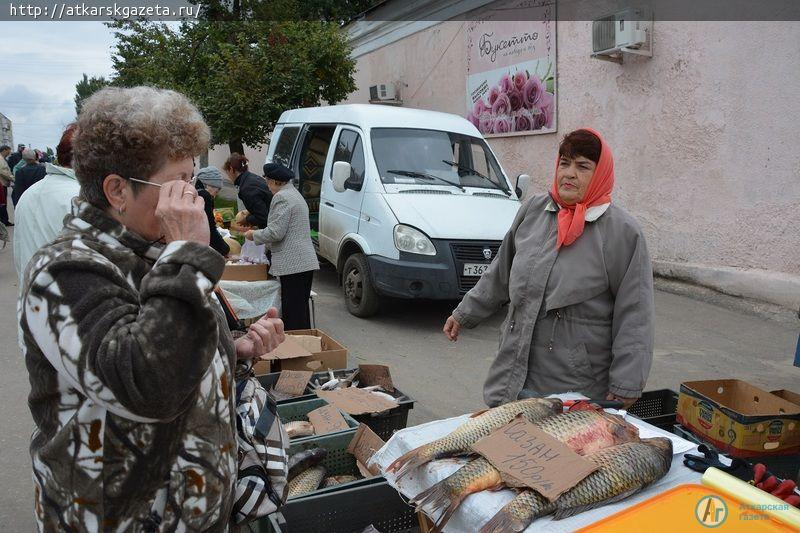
704, 134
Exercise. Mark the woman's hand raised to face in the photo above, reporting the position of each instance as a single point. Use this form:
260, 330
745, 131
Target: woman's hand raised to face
452, 328
181, 213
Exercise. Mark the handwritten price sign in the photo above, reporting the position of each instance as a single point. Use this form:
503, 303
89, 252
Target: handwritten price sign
525, 453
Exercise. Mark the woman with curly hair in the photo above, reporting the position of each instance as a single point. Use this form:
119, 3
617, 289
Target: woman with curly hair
130, 361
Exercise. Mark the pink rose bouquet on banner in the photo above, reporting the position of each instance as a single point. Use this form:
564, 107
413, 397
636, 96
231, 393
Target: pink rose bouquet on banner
517, 103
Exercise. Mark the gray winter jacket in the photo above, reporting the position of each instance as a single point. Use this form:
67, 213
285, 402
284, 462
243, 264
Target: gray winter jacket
579, 319
288, 234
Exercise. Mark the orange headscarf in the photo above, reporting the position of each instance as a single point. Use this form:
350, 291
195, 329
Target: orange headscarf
571, 218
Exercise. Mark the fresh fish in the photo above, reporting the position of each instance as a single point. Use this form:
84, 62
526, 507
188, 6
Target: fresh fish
589, 431
385, 396
298, 428
447, 495
307, 481
306, 459
481, 424
623, 470
337, 480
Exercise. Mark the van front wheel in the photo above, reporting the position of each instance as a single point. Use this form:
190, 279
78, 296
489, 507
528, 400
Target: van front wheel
359, 295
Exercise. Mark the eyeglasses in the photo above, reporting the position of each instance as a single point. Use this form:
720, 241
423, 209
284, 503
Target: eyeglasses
191, 181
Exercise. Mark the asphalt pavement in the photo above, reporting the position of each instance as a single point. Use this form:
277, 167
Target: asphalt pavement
694, 340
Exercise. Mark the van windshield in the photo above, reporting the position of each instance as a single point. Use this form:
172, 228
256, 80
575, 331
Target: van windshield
431, 157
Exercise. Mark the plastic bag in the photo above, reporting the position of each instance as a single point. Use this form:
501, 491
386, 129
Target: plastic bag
253, 253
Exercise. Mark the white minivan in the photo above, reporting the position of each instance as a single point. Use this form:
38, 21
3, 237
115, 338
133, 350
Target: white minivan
405, 203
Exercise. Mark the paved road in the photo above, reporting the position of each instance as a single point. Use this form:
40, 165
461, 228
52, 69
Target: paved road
694, 340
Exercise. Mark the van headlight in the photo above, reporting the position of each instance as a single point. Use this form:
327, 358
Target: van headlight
413, 241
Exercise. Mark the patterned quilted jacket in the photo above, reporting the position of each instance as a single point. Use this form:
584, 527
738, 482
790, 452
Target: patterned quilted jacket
132, 389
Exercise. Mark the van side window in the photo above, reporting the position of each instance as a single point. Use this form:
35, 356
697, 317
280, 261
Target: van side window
285, 143
350, 149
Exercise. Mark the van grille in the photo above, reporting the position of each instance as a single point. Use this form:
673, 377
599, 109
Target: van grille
471, 252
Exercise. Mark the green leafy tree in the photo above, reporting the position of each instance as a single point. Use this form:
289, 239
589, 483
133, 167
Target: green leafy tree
242, 63
87, 87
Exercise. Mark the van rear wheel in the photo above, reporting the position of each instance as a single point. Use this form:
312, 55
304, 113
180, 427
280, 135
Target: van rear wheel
359, 294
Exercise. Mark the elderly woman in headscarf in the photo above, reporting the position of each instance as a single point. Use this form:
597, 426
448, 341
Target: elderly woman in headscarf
575, 271
209, 183
130, 361
288, 236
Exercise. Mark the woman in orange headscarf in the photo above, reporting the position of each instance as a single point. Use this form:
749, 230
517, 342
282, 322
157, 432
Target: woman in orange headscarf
575, 270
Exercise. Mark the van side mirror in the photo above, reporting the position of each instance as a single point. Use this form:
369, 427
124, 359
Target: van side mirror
523, 182
340, 174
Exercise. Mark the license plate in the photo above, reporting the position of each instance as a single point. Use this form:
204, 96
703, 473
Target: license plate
475, 269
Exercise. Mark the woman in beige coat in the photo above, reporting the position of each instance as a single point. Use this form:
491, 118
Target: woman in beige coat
576, 274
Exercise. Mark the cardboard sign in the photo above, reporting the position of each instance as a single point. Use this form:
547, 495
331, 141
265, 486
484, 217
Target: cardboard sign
288, 349
526, 453
355, 401
363, 446
293, 382
376, 375
327, 419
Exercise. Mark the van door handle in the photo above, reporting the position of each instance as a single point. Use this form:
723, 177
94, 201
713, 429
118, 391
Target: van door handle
329, 204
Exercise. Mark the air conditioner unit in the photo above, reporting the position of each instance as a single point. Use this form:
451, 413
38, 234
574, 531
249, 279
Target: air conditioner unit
624, 31
383, 92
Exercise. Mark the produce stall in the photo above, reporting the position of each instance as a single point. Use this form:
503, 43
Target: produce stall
478, 509
396, 479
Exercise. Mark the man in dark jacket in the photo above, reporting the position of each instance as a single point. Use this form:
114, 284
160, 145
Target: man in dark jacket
27, 175
14, 158
253, 190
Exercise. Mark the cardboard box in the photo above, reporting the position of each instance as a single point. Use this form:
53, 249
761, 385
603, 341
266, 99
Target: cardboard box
246, 272
788, 395
738, 418
295, 355
262, 367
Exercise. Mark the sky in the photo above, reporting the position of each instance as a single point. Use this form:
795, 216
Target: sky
39, 66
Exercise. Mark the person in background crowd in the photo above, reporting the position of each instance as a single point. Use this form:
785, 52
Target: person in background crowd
40, 213
130, 360
16, 157
288, 236
253, 191
27, 175
575, 271
208, 185
6, 177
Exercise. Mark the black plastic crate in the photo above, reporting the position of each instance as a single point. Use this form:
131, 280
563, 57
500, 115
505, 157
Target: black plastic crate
657, 407
268, 381
345, 511
383, 424
386, 423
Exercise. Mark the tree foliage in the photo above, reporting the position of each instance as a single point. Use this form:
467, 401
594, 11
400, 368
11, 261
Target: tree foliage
87, 87
243, 63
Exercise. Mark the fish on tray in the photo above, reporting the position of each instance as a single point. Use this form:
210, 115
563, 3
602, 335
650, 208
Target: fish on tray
307, 481
460, 441
623, 470
583, 431
447, 495
299, 428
